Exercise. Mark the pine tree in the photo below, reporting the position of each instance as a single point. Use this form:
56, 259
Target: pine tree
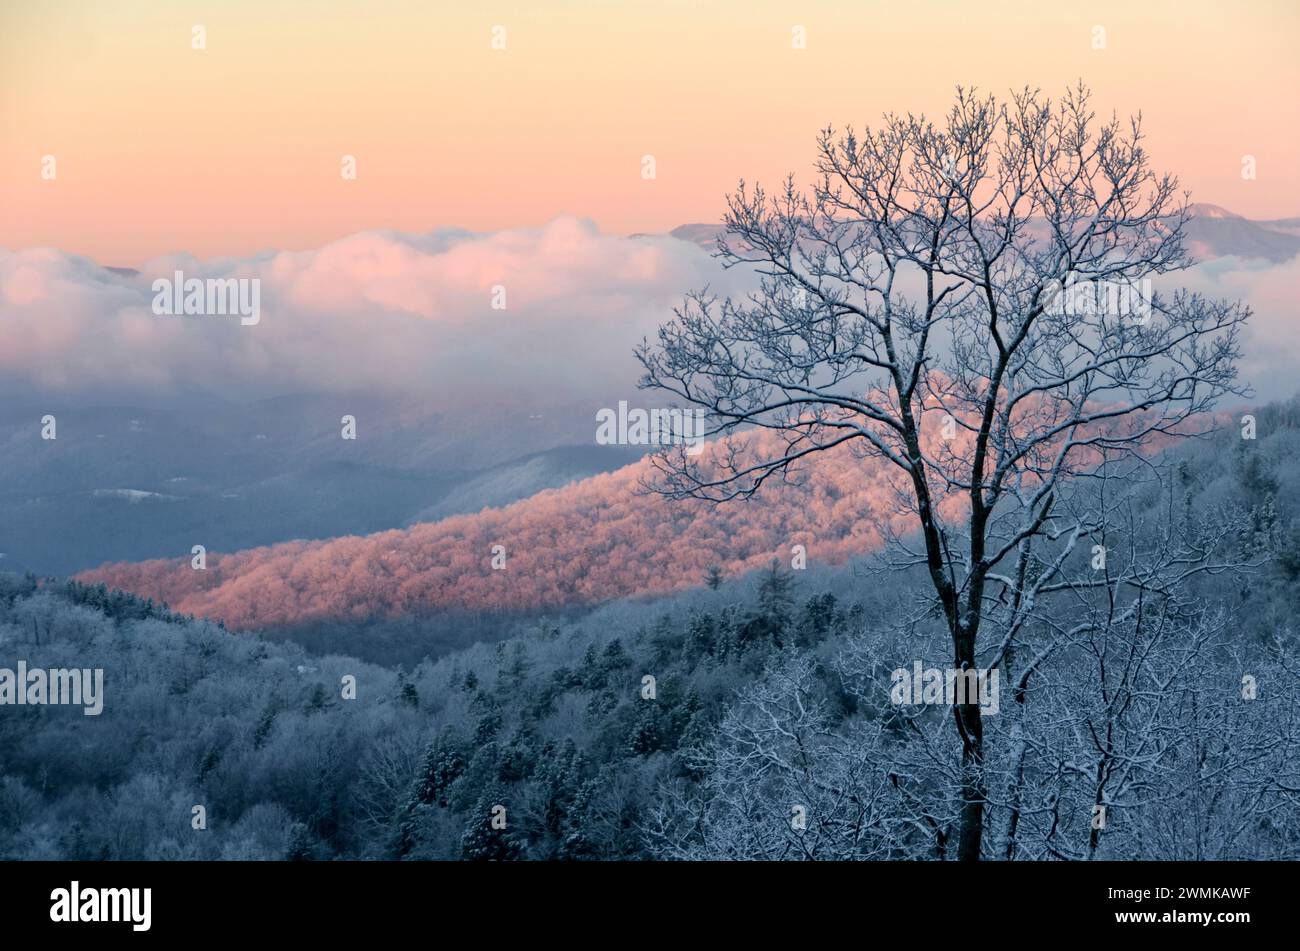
264, 725
776, 595
301, 848
647, 732
482, 841
406, 692
615, 657
443, 764
513, 673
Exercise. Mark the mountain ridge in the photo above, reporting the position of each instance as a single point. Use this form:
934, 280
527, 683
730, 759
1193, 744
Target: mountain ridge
1214, 232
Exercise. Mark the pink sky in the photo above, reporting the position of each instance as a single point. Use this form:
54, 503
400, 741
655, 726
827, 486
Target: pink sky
237, 147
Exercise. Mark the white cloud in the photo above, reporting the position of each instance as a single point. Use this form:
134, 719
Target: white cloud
386, 311
1271, 341
378, 310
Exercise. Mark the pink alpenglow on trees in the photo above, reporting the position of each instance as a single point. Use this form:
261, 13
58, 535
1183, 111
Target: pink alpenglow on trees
595, 540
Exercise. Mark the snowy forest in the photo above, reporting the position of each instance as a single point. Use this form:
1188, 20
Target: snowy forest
767, 731
987, 548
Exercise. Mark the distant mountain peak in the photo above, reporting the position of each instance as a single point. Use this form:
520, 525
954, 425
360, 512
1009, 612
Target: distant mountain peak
1206, 210
1212, 232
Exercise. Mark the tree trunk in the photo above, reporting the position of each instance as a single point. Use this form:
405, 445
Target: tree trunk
972, 782
971, 728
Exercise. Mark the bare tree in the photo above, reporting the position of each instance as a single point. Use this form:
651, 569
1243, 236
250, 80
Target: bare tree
1122, 662
778, 781
385, 781
1134, 720
921, 304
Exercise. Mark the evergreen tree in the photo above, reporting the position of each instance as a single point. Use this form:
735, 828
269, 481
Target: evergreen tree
484, 840
301, 848
776, 596
443, 764
406, 692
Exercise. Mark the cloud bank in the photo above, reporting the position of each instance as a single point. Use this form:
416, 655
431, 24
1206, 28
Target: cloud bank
1271, 344
413, 314
378, 311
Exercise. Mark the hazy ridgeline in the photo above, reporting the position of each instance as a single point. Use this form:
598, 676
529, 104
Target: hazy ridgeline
136, 476
771, 701
577, 545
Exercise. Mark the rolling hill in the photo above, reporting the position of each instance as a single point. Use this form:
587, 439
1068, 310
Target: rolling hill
582, 544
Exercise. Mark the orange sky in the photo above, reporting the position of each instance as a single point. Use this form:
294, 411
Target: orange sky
237, 147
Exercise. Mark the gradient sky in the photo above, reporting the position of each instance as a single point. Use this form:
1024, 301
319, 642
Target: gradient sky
237, 148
